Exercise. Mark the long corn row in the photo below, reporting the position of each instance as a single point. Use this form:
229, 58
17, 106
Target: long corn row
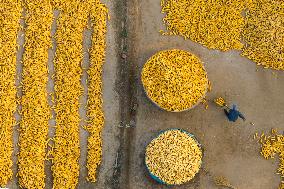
9, 22
35, 108
174, 157
69, 36
216, 24
272, 145
95, 112
175, 80
264, 33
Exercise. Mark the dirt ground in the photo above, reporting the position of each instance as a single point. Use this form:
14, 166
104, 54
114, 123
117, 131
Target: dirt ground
132, 120
229, 149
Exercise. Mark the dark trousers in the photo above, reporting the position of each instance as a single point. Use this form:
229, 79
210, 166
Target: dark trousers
226, 112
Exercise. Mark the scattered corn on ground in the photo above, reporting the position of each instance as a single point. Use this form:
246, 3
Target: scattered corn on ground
11, 11
216, 24
220, 101
95, 113
35, 108
174, 157
224, 182
71, 23
175, 80
264, 33
270, 146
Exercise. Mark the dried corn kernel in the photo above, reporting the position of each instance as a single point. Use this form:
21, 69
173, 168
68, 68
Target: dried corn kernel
35, 108
175, 80
216, 24
9, 20
264, 33
174, 157
95, 112
272, 145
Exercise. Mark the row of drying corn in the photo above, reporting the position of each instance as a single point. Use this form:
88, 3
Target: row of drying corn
35, 112
9, 23
68, 89
221, 25
35, 109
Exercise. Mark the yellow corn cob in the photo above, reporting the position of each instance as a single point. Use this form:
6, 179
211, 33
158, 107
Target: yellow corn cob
35, 109
220, 101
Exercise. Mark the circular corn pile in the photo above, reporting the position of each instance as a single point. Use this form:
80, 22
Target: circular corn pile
35, 108
175, 80
95, 113
272, 145
264, 33
216, 24
174, 157
69, 37
10, 25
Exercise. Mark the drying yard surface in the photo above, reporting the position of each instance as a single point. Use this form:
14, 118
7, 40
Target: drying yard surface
35, 109
175, 80
129, 120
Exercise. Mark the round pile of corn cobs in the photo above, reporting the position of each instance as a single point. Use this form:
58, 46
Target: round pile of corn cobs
174, 157
175, 80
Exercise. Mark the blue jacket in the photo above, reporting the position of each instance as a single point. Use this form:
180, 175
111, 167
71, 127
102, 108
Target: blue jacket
234, 114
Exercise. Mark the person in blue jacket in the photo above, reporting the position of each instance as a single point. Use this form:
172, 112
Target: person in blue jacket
233, 114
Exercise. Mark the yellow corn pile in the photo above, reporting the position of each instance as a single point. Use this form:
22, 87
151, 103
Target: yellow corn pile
264, 33
69, 36
272, 145
216, 24
220, 101
95, 113
175, 80
174, 157
35, 108
9, 22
